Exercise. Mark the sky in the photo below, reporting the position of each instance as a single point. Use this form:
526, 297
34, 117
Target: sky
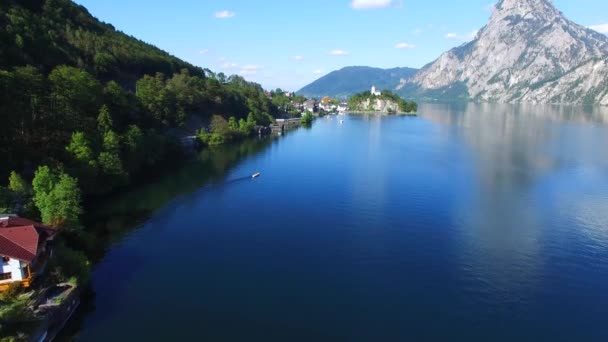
289, 44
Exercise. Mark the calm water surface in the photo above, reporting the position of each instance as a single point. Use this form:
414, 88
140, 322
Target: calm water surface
470, 222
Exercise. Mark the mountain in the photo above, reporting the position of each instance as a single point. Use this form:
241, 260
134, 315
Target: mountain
528, 52
48, 33
355, 79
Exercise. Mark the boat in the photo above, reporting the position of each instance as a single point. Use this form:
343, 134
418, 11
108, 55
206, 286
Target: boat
256, 175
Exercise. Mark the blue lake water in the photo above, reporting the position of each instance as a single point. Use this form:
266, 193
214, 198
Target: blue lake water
468, 223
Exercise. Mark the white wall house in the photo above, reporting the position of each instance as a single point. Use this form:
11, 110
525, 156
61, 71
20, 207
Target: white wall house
375, 92
23, 250
12, 270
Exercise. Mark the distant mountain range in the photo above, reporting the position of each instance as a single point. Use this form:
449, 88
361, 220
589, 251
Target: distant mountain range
351, 80
528, 52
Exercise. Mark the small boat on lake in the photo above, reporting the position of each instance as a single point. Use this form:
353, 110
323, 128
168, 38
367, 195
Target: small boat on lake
256, 175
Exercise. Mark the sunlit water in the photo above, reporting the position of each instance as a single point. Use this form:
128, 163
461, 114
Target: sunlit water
470, 222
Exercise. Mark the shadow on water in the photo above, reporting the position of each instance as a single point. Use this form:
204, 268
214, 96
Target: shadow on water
110, 220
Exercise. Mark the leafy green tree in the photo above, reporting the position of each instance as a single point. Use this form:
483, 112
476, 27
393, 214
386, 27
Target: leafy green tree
232, 124
111, 141
122, 104
157, 99
18, 185
133, 138
109, 159
75, 95
58, 198
80, 148
187, 90
111, 164
43, 183
219, 125
104, 120
66, 203
307, 119
244, 127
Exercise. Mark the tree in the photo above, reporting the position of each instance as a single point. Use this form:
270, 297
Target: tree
104, 119
43, 183
109, 159
58, 198
111, 164
75, 95
122, 104
307, 119
80, 148
134, 155
232, 124
219, 125
18, 185
156, 99
67, 203
111, 141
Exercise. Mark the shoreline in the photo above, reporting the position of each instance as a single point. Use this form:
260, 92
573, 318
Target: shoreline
382, 113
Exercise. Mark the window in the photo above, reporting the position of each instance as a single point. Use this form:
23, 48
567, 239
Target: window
6, 276
5, 259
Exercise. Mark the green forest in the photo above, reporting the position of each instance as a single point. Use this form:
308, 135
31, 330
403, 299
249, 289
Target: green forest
92, 102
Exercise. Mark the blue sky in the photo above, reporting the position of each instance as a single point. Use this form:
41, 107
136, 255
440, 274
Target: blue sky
288, 44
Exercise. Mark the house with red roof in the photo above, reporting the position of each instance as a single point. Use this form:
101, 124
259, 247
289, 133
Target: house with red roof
23, 249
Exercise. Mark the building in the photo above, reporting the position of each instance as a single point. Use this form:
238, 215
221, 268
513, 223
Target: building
311, 106
375, 92
327, 104
23, 249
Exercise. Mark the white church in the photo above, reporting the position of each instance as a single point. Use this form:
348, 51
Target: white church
375, 92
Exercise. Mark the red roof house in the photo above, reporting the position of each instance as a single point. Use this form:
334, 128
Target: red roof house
22, 249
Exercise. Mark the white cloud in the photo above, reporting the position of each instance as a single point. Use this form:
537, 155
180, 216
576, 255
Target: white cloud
317, 72
250, 69
339, 52
225, 14
404, 46
464, 37
230, 65
417, 31
204, 51
602, 28
298, 58
371, 4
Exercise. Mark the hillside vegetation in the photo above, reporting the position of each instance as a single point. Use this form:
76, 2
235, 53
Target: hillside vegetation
387, 102
80, 96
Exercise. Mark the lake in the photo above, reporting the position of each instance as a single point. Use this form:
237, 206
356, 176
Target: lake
469, 222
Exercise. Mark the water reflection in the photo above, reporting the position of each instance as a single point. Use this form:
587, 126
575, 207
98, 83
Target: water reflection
517, 152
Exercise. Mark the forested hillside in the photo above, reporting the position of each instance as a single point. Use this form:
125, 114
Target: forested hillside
83, 98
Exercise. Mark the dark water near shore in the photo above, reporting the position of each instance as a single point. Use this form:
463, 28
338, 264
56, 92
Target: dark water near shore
470, 222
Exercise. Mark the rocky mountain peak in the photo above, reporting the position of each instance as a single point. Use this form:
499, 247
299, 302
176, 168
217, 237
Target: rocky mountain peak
508, 13
528, 52
523, 7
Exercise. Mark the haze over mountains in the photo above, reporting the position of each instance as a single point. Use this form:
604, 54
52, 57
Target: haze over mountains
528, 52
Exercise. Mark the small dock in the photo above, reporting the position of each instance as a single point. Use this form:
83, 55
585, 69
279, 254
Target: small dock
283, 125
